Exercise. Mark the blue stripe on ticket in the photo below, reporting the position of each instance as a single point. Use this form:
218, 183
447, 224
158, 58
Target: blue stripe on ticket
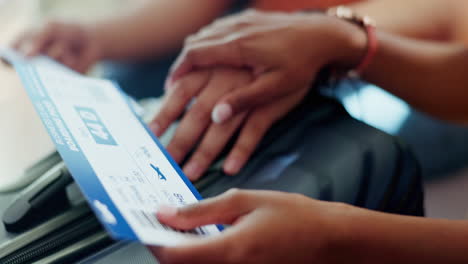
71, 153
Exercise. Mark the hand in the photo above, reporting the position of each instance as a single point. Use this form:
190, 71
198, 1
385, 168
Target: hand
268, 227
70, 44
197, 130
284, 52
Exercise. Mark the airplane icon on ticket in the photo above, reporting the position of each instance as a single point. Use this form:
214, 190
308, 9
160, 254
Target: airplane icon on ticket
158, 171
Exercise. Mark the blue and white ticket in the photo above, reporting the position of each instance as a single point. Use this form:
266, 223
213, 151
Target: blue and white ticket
121, 168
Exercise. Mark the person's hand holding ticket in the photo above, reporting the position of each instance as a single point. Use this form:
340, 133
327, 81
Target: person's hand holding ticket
74, 45
267, 227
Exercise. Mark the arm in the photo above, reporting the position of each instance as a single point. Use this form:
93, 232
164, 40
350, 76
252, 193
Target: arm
156, 28
273, 227
283, 52
430, 76
373, 237
442, 20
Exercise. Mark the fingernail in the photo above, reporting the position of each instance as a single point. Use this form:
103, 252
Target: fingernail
232, 166
192, 170
221, 113
166, 211
155, 128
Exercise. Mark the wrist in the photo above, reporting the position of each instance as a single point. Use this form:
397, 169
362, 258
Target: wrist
342, 44
367, 25
352, 44
342, 243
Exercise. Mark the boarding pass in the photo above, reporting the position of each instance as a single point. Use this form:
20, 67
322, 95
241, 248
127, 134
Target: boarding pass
120, 166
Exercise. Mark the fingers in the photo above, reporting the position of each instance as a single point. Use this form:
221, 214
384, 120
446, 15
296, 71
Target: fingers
253, 131
265, 89
198, 118
87, 51
255, 128
68, 44
217, 44
43, 39
208, 54
58, 50
214, 141
20, 43
84, 62
228, 25
177, 99
245, 210
223, 209
214, 33
62, 48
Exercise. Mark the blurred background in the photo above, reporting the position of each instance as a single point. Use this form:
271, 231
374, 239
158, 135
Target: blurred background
23, 140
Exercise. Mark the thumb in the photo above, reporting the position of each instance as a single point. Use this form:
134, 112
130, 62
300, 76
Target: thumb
43, 39
265, 89
224, 209
206, 54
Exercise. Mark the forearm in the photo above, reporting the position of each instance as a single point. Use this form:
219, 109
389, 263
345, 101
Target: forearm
157, 28
430, 76
423, 19
372, 237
